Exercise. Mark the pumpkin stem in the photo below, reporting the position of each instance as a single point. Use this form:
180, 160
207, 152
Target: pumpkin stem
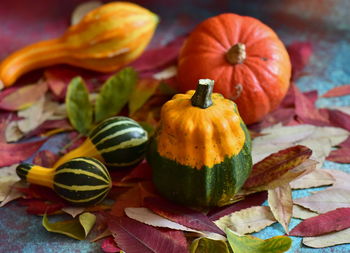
236, 54
36, 174
202, 97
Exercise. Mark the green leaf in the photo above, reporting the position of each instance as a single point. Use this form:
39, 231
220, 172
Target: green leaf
144, 89
79, 108
206, 245
77, 228
248, 243
115, 93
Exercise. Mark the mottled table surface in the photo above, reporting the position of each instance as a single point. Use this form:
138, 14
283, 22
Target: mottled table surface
324, 23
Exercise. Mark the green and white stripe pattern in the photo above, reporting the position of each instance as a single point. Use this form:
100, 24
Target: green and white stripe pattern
82, 181
121, 141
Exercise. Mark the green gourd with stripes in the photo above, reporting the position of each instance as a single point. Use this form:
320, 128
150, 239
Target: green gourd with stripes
118, 142
81, 181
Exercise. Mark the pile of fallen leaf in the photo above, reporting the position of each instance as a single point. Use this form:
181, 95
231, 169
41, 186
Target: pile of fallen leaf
38, 124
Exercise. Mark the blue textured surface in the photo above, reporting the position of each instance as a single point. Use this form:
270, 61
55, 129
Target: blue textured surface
324, 23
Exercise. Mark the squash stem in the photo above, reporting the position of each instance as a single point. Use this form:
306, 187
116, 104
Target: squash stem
36, 174
86, 149
35, 56
236, 54
202, 97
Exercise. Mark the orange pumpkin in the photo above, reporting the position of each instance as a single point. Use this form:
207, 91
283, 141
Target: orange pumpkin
247, 60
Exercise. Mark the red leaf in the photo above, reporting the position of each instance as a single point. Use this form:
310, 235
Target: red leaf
341, 155
338, 91
109, 246
300, 53
40, 192
153, 59
339, 119
142, 171
276, 164
182, 215
255, 199
39, 207
45, 158
17, 152
18, 98
134, 197
135, 237
331, 221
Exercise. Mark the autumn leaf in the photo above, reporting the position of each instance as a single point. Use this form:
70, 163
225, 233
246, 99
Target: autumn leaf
77, 228
249, 244
328, 240
134, 237
115, 93
8, 178
341, 178
341, 155
316, 178
144, 89
319, 139
338, 91
339, 119
19, 98
297, 172
141, 171
17, 152
276, 165
247, 220
133, 197
281, 204
332, 221
326, 200
251, 200
78, 106
206, 245
12, 194
300, 53
108, 245
148, 217
160, 57
182, 215
302, 213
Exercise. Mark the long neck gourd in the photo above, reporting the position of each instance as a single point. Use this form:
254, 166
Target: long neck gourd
80, 181
106, 39
118, 142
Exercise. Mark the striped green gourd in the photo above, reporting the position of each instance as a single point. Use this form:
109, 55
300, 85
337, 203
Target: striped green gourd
80, 181
118, 142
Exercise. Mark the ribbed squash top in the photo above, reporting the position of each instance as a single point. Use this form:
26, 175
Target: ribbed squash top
199, 137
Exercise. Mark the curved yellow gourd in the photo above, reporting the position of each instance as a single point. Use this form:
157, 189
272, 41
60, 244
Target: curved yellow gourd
106, 39
204, 137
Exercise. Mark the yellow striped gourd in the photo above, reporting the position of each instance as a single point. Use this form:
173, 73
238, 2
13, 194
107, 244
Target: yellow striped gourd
80, 181
106, 39
118, 142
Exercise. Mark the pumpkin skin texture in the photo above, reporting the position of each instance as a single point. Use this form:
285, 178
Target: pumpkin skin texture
248, 62
200, 156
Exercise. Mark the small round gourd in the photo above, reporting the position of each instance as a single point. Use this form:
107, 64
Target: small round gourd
201, 153
80, 181
118, 142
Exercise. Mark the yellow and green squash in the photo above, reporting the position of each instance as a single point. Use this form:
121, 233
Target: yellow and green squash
201, 153
118, 142
80, 181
